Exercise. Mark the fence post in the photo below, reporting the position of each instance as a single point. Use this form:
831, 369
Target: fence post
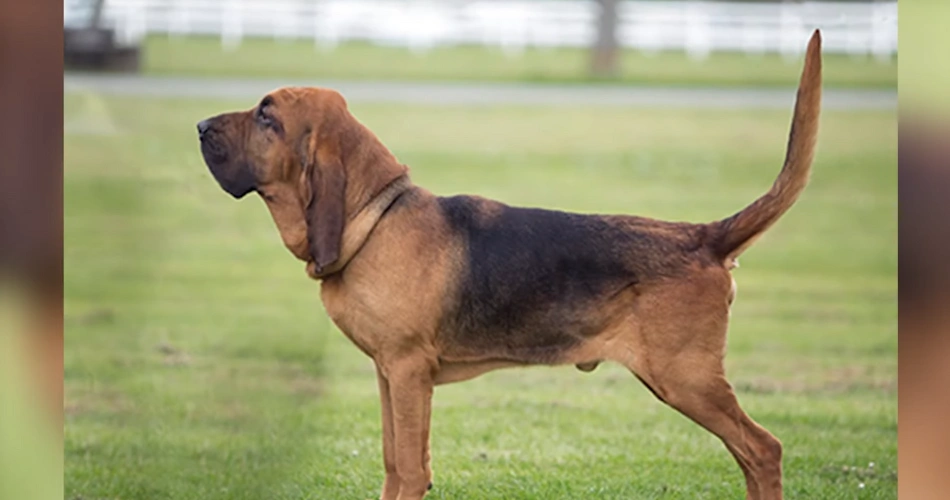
697, 30
790, 31
232, 25
180, 19
325, 37
883, 33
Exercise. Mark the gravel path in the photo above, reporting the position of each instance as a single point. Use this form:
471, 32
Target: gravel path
480, 93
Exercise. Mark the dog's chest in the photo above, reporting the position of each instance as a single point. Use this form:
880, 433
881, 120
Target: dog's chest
341, 311
378, 312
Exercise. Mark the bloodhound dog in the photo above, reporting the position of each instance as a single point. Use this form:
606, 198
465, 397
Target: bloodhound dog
442, 289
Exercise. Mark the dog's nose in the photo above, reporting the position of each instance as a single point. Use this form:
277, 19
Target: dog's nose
203, 127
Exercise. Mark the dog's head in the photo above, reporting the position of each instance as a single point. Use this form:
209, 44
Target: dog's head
311, 161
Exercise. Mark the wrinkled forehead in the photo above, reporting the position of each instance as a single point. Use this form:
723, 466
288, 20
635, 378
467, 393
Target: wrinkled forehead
312, 97
297, 95
276, 99
301, 109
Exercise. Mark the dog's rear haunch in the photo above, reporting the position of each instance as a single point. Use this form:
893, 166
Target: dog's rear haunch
438, 290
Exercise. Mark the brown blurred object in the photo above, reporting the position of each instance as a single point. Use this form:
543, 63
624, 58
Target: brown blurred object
31, 183
605, 54
95, 47
924, 303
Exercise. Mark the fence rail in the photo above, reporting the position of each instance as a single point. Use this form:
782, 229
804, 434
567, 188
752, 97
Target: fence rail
695, 26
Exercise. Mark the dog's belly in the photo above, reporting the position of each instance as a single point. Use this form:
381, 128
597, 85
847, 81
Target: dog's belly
530, 326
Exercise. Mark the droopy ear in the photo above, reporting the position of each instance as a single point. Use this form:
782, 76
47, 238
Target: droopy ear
324, 185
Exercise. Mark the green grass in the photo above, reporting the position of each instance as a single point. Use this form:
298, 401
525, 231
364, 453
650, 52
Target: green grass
200, 364
302, 59
924, 95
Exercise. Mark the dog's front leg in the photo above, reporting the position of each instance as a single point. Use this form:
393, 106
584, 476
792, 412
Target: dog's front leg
391, 483
410, 381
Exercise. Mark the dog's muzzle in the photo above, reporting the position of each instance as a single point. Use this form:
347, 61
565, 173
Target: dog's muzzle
234, 177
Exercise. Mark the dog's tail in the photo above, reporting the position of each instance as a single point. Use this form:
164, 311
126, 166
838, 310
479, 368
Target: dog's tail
729, 237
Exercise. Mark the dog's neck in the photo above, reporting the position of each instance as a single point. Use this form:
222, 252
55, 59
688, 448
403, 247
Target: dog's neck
359, 227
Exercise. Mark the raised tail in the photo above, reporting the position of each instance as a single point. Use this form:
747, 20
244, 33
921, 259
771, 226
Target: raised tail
730, 237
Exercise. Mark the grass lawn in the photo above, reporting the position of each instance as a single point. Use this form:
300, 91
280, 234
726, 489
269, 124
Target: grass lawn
200, 364
302, 59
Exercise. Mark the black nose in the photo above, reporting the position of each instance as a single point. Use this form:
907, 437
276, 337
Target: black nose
203, 127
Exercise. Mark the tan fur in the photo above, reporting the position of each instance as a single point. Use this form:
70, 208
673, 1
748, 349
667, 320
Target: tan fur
388, 277
737, 233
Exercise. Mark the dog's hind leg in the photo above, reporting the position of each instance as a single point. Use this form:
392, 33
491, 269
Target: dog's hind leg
678, 354
707, 398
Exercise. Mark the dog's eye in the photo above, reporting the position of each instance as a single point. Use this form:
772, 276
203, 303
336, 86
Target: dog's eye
267, 121
264, 119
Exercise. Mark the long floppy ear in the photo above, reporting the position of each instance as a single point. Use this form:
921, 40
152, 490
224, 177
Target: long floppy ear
325, 179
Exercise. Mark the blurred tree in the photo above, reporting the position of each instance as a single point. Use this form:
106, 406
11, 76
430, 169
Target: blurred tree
96, 18
605, 56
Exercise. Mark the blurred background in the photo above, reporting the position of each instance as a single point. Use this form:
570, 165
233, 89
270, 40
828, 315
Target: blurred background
663, 41
199, 362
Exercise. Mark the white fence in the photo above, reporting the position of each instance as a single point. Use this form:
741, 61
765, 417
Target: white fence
695, 26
